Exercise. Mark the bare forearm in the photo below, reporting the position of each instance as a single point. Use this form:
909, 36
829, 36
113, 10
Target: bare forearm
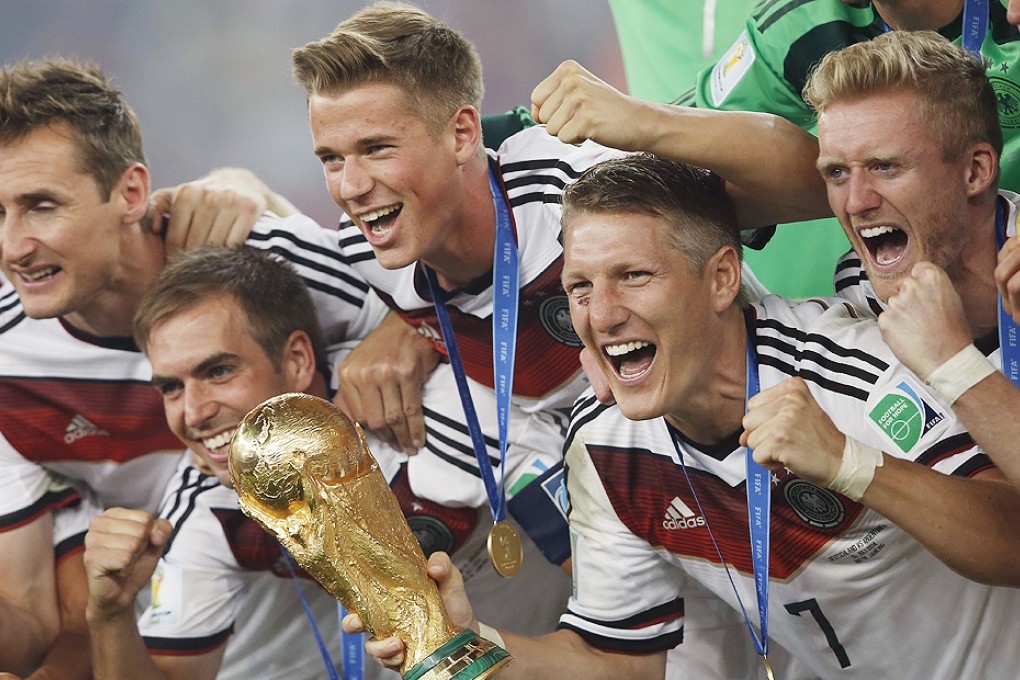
69, 659
25, 640
988, 411
972, 525
768, 162
563, 654
118, 650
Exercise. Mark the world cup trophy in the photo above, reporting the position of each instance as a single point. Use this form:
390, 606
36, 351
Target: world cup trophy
304, 472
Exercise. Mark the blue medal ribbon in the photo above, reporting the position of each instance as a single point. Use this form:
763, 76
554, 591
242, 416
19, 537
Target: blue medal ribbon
759, 508
975, 26
352, 649
1009, 339
505, 275
327, 660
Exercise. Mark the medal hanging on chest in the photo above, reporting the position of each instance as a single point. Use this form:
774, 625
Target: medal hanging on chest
759, 507
504, 545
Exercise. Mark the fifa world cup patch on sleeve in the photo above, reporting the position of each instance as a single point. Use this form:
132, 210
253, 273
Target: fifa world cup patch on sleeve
905, 414
728, 71
167, 595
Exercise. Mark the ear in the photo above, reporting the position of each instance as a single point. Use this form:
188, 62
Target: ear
982, 170
132, 192
466, 124
298, 362
722, 273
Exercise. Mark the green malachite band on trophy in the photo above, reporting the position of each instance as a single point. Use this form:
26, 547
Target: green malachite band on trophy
470, 648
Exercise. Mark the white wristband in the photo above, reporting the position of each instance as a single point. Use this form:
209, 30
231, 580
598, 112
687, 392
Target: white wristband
491, 634
961, 372
856, 470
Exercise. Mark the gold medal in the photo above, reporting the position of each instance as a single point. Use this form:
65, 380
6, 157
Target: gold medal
768, 668
505, 550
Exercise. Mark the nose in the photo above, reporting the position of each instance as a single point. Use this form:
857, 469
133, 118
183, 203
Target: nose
355, 181
605, 308
861, 196
199, 407
16, 243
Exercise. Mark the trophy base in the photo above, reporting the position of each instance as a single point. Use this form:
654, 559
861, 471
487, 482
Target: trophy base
466, 656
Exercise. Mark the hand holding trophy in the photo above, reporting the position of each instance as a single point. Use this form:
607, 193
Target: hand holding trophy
304, 472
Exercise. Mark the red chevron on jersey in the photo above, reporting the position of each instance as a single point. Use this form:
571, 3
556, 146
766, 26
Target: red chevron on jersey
547, 346
642, 487
43, 419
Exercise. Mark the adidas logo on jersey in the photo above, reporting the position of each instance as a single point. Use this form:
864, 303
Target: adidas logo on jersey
679, 516
79, 427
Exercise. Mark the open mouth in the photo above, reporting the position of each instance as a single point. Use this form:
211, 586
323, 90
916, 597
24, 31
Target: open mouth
630, 359
39, 274
380, 221
219, 444
886, 245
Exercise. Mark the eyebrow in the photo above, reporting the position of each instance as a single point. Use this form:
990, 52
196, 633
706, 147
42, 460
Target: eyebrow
201, 367
361, 143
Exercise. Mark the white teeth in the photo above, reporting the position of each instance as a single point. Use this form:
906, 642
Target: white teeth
222, 439
872, 232
618, 350
376, 214
41, 274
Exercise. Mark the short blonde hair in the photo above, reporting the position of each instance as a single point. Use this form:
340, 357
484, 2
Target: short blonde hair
957, 101
388, 42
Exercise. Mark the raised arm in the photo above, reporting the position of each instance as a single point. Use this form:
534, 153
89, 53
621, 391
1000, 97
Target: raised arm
122, 548
768, 162
927, 300
972, 525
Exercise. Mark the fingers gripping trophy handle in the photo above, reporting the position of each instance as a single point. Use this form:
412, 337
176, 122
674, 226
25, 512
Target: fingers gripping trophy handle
304, 472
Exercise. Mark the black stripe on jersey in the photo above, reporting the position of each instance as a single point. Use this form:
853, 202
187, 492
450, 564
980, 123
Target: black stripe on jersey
452, 460
848, 260
534, 197
812, 376
257, 239
809, 48
849, 281
69, 546
685, 99
528, 180
454, 425
763, 8
13, 322
828, 344
978, 463
187, 646
665, 612
657, 644
779, 13
51, 500
816, 358
192, 485
944, 448
577, 421
313, 284
538, 164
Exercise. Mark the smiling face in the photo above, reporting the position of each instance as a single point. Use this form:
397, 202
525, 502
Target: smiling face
61, 238
211, 372
647, 319
899, 202
383, 167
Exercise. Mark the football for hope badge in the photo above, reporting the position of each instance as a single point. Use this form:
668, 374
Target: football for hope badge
904, 414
